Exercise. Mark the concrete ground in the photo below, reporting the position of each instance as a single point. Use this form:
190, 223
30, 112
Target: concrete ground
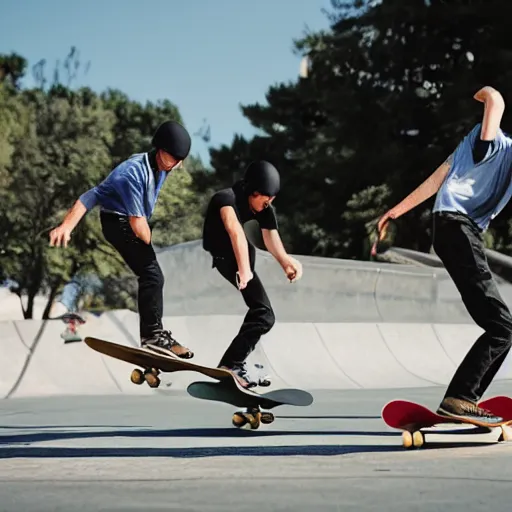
169, 451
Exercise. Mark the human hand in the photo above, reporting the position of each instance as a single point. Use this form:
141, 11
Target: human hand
382, 228
293, 269
242, 278
60, 236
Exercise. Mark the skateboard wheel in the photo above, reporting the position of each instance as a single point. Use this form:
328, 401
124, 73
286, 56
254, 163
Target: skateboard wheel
418, 439
267, 418
406, 439
153, 371
137, 377
254, 420
247, 420
152, 380
506, 434
239, 420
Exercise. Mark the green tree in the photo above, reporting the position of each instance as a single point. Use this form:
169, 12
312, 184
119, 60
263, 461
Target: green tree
387, 97
63, 151
56, 143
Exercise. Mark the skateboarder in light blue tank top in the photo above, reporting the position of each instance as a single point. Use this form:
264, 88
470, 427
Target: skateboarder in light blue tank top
472, 186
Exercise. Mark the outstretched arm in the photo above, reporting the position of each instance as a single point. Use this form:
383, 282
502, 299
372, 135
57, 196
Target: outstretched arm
494, 106
274, 245
62, 234
239, 243
426, 190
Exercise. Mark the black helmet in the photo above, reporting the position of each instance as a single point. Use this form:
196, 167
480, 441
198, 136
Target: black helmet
262, 177
172, 138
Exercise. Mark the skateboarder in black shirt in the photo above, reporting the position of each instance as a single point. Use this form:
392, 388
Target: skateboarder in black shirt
234, 257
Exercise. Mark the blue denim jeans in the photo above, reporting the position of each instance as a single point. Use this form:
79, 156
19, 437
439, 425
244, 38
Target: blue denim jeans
76, 288
71, 294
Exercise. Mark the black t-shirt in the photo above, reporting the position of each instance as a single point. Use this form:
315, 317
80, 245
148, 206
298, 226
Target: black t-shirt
215, 237
480, 149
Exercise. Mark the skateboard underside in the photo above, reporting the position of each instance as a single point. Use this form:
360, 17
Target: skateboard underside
230, 394
253, 415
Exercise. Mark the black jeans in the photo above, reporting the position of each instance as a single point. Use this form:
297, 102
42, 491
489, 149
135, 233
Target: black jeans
259, 319
458, 242
141, 259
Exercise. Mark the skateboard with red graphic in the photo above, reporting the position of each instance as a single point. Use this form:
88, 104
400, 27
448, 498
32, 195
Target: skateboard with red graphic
412, 418
72, 321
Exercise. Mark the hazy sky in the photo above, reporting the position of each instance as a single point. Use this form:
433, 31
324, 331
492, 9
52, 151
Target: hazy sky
207, 57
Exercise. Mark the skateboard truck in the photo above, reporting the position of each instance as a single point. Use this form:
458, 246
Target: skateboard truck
150, 375
251, 418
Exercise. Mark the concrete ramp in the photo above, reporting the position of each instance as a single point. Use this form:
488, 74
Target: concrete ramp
362, 353
52, 368
331, 290
13, 356
313, 356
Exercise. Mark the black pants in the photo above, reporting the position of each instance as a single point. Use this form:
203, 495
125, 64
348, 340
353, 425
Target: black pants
141, 259
458, 242
258, 320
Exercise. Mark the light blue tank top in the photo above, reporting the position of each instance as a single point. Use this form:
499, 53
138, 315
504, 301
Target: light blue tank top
479, 190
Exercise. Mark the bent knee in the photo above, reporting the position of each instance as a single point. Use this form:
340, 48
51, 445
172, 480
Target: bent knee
269, 319
502, 331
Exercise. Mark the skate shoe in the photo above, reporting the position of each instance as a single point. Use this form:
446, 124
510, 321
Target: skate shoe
163, 343
467, 411
239, 370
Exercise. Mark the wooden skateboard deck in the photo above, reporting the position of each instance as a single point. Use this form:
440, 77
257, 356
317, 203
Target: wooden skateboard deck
227, 390
153, 363
411, 418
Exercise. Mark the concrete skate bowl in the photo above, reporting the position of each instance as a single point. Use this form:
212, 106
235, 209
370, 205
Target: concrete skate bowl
331, 290
345, 325
313, 355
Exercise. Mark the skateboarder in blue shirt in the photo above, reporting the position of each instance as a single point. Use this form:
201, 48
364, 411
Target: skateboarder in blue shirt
472, 186
127, 198
234, 257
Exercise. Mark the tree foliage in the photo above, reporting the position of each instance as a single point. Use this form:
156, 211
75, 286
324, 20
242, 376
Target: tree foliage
56, 143
387, 97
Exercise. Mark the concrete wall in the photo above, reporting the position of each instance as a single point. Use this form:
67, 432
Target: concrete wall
346, 324
331, 290
321, 355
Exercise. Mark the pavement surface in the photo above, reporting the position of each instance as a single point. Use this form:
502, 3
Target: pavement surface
77, 435
169, 451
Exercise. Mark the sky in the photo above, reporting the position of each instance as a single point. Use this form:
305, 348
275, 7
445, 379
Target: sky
206, 56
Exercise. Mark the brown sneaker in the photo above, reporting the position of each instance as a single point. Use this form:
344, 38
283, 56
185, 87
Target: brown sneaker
162, 342
467, 411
